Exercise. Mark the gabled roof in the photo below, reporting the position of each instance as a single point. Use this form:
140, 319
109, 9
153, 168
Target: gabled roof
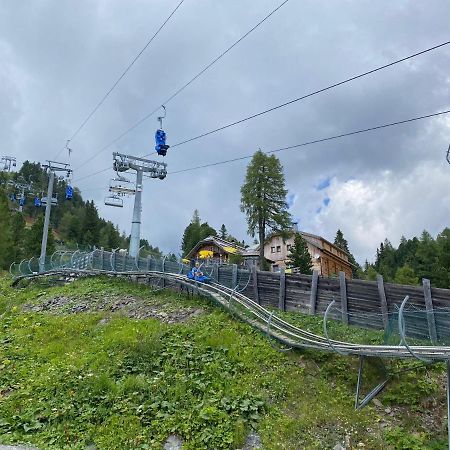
227, 246
312, 239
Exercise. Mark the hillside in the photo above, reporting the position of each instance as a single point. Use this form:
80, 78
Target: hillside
111, 365
75, 223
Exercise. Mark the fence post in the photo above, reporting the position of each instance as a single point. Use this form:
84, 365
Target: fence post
343, 291
383, 301
255, 284
234, 276
430, 311
216, 272
313, 294
282, 295
102, 267
148, 263
124, 262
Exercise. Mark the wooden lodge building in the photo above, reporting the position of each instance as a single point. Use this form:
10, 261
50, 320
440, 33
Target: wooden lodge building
327, 258
215, 249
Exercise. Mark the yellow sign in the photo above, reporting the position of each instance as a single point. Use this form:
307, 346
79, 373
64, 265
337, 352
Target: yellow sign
230, 249
205, 254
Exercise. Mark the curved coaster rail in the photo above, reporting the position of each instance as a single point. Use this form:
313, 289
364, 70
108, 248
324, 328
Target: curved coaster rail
247, 310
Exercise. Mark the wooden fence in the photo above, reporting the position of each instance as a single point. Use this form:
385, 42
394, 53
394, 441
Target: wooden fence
370, 304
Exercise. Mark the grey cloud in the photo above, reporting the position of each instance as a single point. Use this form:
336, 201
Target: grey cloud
63, 56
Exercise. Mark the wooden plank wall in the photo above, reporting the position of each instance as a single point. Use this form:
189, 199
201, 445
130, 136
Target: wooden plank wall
370, 304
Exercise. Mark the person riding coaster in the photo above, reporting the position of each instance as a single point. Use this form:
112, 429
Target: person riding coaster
196, 274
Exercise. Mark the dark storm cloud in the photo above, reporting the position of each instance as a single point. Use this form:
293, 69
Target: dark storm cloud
59, 57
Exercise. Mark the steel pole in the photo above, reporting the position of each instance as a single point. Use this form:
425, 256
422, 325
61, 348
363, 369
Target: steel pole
48, 208
448, 403
135, 239
23, 195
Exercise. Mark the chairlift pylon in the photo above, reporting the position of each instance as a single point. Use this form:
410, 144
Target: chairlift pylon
120, 165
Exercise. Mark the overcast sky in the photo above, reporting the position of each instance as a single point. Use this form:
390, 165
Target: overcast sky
59, 57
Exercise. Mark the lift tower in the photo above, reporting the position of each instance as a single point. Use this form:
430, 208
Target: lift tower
8, 162
155, 169
52, 167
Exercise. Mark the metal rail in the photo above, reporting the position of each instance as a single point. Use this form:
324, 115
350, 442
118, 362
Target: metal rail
247, 310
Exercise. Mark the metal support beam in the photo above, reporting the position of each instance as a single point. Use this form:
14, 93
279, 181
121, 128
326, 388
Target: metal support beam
48, 208
135, 240
448, 402
374, 392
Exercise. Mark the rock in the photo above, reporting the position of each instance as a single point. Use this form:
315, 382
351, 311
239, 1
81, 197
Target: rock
16, 447
252, 442
173, 442
103, 321
388, 410
377, 402
338, 446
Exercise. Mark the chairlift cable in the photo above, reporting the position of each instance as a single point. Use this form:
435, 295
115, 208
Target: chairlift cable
332, 86
130, 65
182, 88
317, 141
304, 144
273, 108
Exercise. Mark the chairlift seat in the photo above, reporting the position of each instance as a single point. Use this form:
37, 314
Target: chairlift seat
114, 200
160, 139
69, 192
54, 201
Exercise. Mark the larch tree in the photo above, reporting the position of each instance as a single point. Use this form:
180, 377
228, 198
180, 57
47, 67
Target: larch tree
263, 199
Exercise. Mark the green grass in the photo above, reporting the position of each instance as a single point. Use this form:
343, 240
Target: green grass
67, 381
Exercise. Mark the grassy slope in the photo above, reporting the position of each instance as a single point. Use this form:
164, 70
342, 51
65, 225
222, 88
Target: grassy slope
67, 381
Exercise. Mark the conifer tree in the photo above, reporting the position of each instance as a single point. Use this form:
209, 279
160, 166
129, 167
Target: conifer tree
223, 232
33, 239
263, 199
195, 232
341, 242
299, 256
6, 232
406, 275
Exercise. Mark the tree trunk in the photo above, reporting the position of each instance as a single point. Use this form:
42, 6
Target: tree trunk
262, 238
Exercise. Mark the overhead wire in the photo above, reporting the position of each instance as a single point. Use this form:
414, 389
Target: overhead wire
184, 86
303, 144
327, 88
290, 102
316, 141
130, 65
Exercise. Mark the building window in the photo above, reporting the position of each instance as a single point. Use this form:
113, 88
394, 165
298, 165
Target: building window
278, 248
289, 247
272, 249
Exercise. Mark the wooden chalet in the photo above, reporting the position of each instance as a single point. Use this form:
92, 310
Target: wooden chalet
215, 249
327, 258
